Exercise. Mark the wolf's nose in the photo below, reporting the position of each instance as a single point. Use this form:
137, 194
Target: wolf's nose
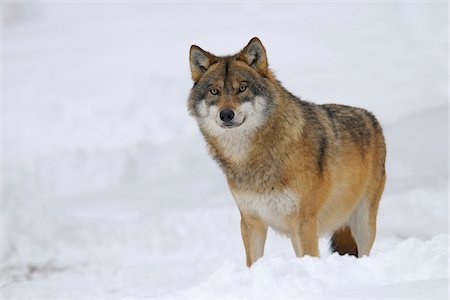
226, 115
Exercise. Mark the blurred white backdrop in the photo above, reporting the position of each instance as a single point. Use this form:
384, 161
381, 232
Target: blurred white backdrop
107, 189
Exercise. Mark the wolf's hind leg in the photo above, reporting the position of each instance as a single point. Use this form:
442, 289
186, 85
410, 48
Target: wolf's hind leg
363, 220
362, 227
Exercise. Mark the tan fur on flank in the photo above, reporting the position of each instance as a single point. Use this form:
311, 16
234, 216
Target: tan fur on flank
303, 169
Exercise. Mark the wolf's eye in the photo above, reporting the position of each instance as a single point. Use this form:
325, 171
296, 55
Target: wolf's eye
214, 91
242, 88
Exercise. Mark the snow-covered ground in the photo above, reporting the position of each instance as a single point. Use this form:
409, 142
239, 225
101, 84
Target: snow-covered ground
108, 192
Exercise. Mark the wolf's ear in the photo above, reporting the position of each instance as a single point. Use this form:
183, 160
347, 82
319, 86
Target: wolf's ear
200, 61
254, 55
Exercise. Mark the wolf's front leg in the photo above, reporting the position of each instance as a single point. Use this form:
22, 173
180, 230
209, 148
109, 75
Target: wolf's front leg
304, 237
254, 233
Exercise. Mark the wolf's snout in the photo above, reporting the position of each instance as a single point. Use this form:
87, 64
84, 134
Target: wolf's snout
226, 115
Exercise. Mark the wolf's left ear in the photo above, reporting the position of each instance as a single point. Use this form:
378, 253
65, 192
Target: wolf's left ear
200, 61
254, 55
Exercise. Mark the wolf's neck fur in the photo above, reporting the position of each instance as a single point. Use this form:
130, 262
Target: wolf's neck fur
236, 146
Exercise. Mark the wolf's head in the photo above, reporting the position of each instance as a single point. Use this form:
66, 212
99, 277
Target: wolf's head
231, 93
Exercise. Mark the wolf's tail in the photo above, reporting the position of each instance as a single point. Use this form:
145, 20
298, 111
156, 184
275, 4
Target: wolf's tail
343, 242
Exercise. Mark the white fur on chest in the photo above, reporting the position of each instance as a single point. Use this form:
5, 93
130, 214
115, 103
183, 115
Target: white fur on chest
273, 207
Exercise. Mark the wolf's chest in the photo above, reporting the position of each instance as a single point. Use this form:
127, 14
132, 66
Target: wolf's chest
272, 207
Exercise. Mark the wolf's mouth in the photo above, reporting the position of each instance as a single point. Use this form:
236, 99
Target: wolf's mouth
229, 125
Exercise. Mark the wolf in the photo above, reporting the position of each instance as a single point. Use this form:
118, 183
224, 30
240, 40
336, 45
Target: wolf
301, 168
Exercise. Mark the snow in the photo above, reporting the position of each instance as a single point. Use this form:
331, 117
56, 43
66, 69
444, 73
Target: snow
108, 192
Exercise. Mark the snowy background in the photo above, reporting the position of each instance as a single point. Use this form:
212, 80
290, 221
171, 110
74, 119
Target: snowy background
107, 189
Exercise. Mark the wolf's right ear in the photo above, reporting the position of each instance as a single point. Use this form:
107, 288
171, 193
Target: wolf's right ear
200, 61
